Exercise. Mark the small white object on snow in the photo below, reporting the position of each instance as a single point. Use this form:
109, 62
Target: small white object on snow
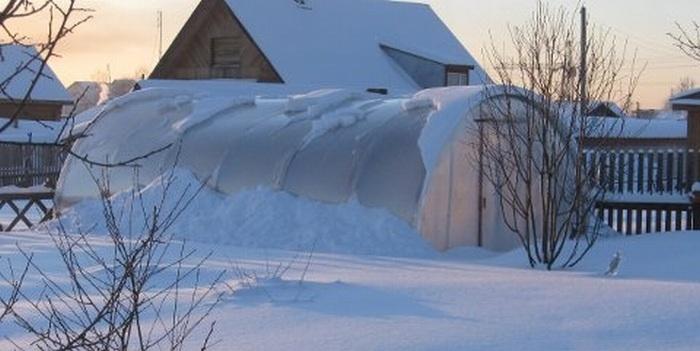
696, 187
614, 265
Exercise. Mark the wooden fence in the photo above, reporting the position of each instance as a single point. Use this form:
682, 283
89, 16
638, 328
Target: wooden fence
27, 165
647, 189
20, 204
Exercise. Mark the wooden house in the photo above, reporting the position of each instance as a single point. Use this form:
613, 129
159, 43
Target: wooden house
368, 44
28, 154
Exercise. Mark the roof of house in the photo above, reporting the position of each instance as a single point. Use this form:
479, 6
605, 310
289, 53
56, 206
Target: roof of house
673, 127
338, 42
689, 97
609, 105
19, 66
28, 131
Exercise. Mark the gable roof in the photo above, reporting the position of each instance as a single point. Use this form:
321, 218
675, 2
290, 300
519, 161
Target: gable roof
14, 85
609, 108
338, 42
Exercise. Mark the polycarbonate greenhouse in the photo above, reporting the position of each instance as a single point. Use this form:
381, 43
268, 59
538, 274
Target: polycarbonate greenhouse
409, 155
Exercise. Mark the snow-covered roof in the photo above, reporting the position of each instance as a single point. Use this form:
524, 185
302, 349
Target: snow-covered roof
338, 43
19, 66
690, 94
47, 132
612, 106
642, 128
29, 131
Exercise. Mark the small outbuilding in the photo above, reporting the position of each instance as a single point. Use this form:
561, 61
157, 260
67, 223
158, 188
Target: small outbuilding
31, 104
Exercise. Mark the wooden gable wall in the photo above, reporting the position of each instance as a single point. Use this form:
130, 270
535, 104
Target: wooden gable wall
32, 110
190, 56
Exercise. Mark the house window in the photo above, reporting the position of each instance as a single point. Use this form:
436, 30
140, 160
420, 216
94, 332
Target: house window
456, 75
226, 57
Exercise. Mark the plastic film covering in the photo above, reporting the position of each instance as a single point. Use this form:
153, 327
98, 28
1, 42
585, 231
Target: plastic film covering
408, 155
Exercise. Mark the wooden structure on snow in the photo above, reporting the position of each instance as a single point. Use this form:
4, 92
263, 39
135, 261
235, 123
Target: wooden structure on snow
28, 156
652, 172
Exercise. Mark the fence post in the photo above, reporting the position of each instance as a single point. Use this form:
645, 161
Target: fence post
695, 197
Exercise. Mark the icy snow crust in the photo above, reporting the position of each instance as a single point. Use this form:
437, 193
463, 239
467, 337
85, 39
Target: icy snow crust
334, 147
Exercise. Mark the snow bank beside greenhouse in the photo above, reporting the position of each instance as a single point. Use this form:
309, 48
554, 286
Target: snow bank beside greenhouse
256, 218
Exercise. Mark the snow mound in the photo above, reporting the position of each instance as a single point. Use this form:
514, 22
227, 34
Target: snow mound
259, 218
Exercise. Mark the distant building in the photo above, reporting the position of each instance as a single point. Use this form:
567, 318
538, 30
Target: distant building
18, 65
368, 44
28, 154
606, 109
89, 94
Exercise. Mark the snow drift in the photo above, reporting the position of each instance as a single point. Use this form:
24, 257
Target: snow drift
255, 218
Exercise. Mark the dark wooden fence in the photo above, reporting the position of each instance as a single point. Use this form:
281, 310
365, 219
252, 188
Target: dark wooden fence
21, 203
647, 189
27, 165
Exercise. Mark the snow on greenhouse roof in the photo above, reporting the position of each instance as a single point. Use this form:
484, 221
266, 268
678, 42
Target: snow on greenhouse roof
333, 146
338, 43
639, 128
230, 87
16, 58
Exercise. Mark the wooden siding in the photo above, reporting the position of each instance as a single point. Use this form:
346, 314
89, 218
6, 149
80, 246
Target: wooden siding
32, 110
191, 55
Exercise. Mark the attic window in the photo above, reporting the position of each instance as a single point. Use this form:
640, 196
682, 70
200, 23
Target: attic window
226, 57
456, 75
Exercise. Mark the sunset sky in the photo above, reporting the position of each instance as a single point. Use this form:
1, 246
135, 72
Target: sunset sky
123, 35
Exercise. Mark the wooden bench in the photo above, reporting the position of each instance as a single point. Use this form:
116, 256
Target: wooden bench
33, 199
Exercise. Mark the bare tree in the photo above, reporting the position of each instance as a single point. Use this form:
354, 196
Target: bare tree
534, 132
685, 84
118, 299
688, 39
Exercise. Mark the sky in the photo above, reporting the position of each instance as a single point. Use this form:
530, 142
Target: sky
122, 38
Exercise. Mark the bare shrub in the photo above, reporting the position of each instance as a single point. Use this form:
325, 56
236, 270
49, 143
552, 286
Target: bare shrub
534, 132
275, 276
687, 39
144, 292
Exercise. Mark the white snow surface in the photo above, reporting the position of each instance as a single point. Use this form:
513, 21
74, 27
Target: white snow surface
15, 58
258, 218
467, 299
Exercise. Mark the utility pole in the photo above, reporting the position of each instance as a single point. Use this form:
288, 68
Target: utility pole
160, 34
584, 61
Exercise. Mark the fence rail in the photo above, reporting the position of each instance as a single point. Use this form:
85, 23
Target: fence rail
21, 203
646, 171
647, 189
638, 218
27, 165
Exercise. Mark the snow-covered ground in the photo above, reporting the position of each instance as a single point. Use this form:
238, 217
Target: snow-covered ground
467, 299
